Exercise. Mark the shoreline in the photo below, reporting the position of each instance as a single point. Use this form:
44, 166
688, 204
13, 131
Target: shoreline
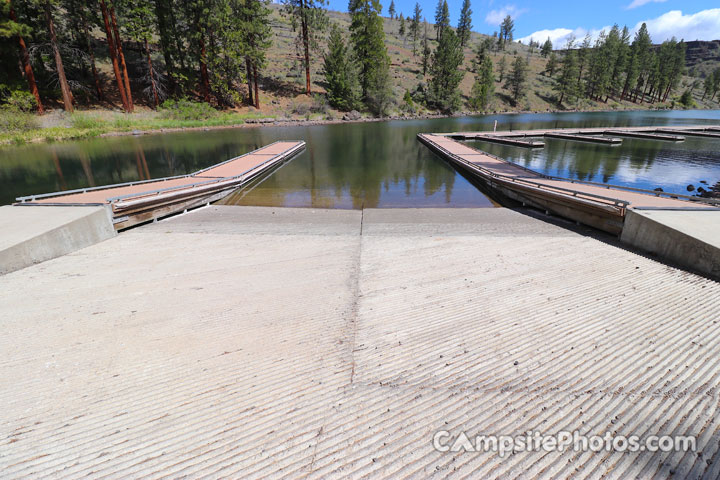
43, 135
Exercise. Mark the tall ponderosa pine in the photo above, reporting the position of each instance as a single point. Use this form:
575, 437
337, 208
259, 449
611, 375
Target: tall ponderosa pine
309, 19
10, 27
465, 23
254, 40
368, 41
502, 68
340, 73
445, 73
391, 10
484, 86
552, 65
425, 48
401, 29
566, 84
59, 66
517, 79
442, 18
415, 25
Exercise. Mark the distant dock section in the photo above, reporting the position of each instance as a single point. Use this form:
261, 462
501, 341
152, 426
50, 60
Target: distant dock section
607, 136
138, 202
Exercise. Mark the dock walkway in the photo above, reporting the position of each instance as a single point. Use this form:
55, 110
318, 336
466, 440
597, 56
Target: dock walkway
136, 202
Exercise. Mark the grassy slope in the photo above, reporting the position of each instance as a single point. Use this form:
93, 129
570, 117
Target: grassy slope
283, 86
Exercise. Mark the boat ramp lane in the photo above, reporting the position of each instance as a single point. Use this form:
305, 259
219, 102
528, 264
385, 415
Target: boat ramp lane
688, 236
45, 226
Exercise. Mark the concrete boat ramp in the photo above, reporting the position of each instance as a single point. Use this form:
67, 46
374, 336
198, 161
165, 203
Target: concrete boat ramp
252, 342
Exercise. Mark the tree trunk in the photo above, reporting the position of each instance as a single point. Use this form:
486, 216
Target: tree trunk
66, 93
257, 92
249, 80
205, 79
113, 56
152, 74
121, 57
27, 67
306, 45
98, 89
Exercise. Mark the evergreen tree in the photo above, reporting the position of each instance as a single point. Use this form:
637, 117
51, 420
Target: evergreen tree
502, 66
566, 84
551, 65
546, 48
340, 73
415, 25
643, 61
391, 10
401, 30
484, 86
507, 28
425, 49
442, 18
11, 27
254, 40
309, 19
465, 23
368, 40
445, 73
517, 79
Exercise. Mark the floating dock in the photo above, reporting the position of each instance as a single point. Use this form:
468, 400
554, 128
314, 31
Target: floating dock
509, 140
585, 138
138, 202
511, 137
646, 135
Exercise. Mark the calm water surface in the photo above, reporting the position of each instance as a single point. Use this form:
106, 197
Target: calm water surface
370, 164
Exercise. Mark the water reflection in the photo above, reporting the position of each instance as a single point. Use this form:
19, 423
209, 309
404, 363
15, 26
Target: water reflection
368, 164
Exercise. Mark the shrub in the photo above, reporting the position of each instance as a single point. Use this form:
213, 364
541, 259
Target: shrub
84, 121
686, 99
184, 109
21, 100
13, 119
300, 108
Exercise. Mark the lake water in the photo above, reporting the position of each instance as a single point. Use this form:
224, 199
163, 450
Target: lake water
378, 164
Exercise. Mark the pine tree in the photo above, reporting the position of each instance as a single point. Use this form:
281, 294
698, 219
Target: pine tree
484, 86
254, 41
507, 27
10, 27
546, 48
401, 31
551, 65
517, 79
368, 40
425, 49
464, 23
311, 18
59, 66
391, 10
445, 73
502, 66
415, 25
340, 73
442, 18
566, 84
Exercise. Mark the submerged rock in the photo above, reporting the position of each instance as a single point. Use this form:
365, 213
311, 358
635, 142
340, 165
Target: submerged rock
690, 188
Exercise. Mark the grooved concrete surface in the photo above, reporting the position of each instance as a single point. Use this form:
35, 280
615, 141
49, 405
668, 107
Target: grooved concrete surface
249, 342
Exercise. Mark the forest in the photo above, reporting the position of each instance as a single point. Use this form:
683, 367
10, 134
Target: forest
223, 54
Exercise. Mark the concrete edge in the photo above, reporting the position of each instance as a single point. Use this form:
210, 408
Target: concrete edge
79, 233
654, 237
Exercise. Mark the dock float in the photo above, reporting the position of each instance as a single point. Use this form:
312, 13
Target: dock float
598, 205
694, 133
584, 138
646, 135
138, 202
509, 140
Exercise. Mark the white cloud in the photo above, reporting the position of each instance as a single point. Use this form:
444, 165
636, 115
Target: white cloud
494, 17
703, 25
640, 3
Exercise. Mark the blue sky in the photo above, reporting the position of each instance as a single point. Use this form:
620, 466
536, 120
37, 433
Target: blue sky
689, 19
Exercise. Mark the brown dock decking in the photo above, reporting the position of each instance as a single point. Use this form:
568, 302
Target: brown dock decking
137, 202
599, 205
584, 138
